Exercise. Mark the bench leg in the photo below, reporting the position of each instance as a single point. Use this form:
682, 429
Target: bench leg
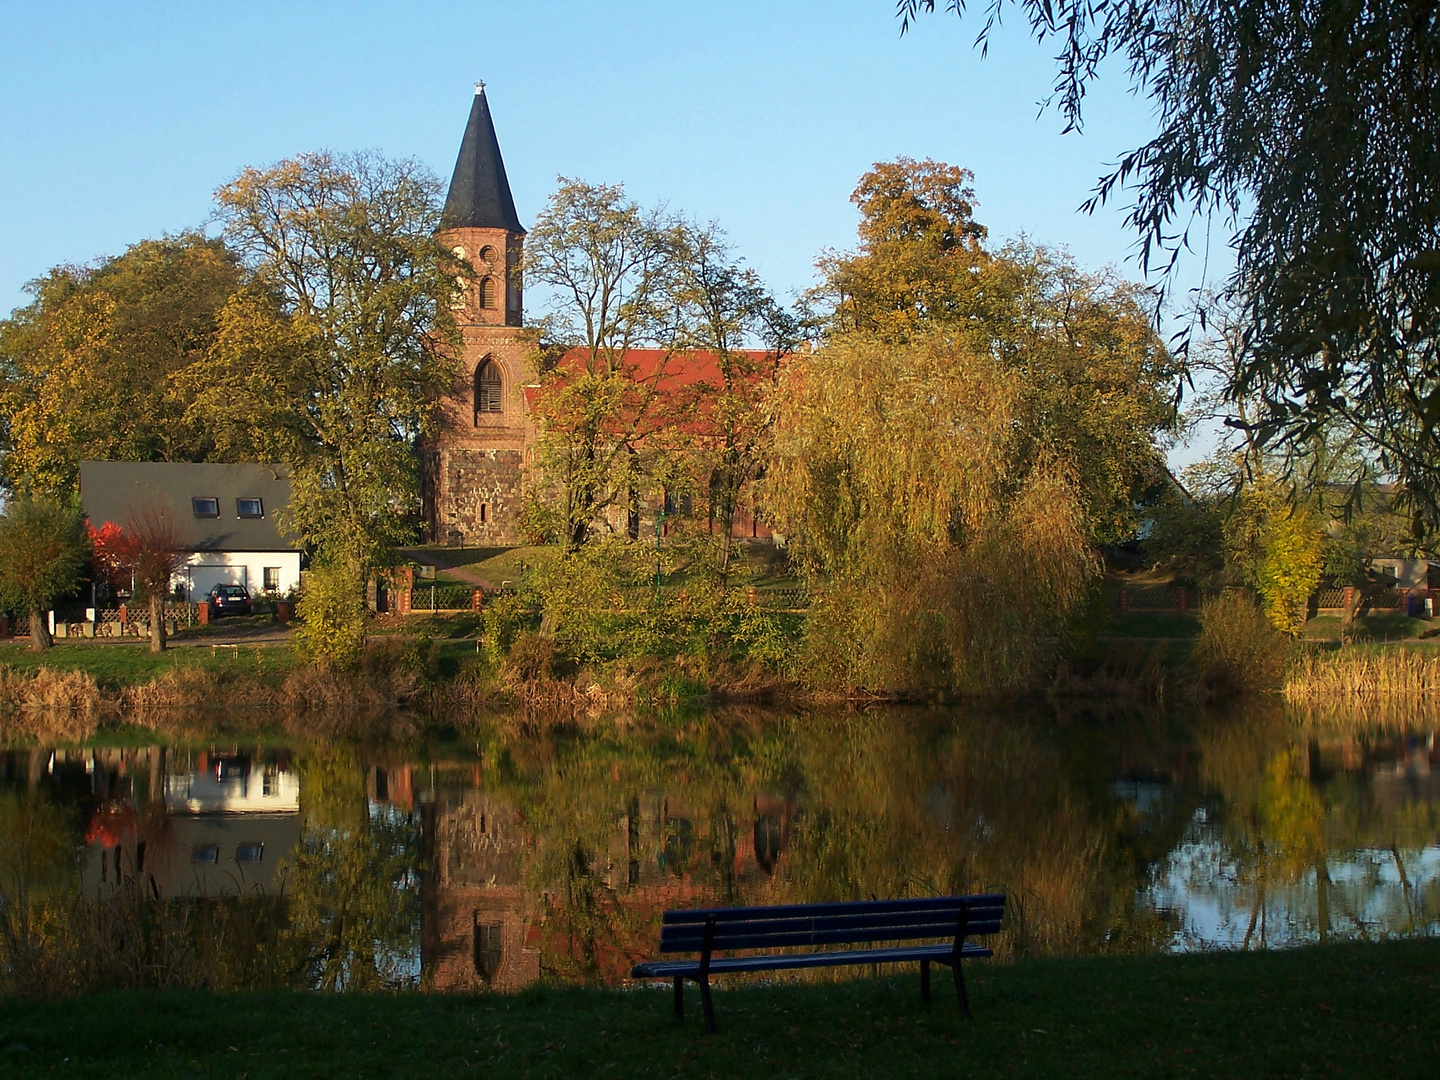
679, 997
924, 980
960, 990
709, 1006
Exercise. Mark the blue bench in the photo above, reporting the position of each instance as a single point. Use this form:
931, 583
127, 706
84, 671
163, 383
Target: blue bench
815, 927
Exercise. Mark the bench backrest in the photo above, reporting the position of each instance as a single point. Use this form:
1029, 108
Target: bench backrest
831, 924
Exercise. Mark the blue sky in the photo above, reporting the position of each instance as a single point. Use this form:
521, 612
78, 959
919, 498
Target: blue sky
120, 120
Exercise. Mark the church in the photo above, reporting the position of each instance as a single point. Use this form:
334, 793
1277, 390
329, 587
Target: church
475, 468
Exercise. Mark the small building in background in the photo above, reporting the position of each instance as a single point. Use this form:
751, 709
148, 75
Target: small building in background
224, 514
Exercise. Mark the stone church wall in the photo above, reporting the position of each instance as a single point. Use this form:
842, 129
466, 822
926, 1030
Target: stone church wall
481, 496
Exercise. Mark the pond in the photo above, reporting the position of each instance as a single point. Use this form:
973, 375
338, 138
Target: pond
519, 852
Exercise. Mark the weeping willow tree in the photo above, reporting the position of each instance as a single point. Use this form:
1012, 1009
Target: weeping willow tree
946, 549
979, 421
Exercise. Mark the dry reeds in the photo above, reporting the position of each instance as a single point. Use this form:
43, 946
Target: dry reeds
1130, 671
1394, 676
48, 704
184, 688
75, 944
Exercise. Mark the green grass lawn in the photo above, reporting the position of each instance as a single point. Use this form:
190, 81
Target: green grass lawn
1154, 624
497, 565
1383, 627
114, 666
1356, 1010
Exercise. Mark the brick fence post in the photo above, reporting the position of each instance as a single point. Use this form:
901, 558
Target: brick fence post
202, 612
404, 590
1182, 599
1124, 601
477, 599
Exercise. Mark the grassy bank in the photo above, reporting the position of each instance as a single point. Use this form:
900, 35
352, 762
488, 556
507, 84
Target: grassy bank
124, 665
1356, 1010
444, 662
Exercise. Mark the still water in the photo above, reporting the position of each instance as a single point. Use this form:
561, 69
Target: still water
513, 853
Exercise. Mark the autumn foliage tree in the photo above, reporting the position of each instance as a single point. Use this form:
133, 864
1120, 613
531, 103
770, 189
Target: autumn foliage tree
95, 367
729, 314
334, 358
943, 552
611, 266
113, 556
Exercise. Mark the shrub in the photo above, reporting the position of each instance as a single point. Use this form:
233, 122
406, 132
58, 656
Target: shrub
1238, 651
532, 657
503, 621
332, 616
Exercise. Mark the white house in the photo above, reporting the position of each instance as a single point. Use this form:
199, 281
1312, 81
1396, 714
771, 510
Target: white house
225, 513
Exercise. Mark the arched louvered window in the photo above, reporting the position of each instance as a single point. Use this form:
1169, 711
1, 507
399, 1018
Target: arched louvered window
488, 388
487, 292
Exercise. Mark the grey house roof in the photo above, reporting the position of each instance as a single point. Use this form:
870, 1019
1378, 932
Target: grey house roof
109, 490
479, 196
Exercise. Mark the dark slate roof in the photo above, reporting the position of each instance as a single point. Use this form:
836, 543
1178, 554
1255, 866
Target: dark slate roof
111, 489
479, 195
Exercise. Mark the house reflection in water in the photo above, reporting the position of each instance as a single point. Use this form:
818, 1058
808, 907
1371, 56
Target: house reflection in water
188, 824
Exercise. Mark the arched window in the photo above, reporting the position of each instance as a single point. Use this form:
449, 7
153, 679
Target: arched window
487, 292
488, 388
487, 254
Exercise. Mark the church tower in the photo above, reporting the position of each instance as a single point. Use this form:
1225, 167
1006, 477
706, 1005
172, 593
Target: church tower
476, 462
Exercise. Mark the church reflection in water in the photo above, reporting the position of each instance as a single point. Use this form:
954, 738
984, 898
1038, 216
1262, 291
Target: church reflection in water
510, 860
489, 922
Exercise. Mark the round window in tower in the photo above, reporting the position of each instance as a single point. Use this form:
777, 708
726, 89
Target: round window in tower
487, 254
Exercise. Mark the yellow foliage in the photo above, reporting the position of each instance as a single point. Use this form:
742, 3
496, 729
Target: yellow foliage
1291, 562
948, 545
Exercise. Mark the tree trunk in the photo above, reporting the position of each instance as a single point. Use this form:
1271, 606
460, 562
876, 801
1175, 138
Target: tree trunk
39, 631
157, 621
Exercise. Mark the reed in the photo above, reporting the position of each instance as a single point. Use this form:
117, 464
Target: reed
48, 704
1367, 678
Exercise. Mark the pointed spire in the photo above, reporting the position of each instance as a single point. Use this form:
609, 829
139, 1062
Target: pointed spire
479, 195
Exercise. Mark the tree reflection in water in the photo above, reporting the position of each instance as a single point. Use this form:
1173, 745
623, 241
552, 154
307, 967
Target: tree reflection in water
522, 854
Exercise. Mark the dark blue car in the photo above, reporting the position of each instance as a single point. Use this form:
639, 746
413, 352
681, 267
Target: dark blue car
230, 600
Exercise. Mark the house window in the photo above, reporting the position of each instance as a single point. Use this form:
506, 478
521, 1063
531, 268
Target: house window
202, 853
487, 292
252, 851
272, 579
250, 508
488, 388
205, 508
